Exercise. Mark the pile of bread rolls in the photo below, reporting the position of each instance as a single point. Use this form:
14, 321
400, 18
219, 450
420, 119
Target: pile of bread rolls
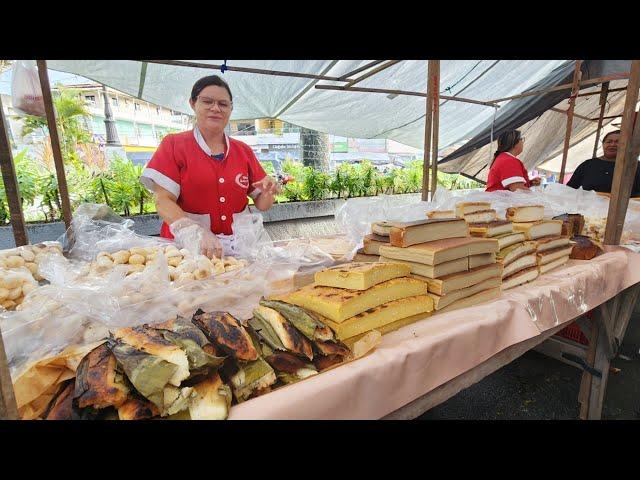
182, 264
19, 271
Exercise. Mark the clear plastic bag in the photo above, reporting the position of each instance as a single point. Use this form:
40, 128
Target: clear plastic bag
356, 215
75, 309
97, 228
26, 93
249, 235
237, 292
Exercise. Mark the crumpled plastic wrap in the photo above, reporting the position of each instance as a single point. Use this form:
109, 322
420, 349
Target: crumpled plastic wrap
97, 228
75, 309
249, 236
356, 215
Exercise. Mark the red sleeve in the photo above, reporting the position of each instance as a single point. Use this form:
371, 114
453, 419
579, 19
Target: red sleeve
256, 172
163, 168
510, 170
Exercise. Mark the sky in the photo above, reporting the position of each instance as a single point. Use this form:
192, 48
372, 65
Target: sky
54, 78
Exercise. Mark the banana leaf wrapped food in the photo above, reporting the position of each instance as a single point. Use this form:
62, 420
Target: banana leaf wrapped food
227, 334
251, 379
151, 376
99, 384
61, 405
290, 368
184, 334
152, 341
137, 408
212, 399
327, 351
276, 330
245, 371
306, 322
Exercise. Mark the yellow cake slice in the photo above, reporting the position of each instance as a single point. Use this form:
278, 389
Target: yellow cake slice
381, 315
536, 230
473, 300
443, 301
389, 327
458, 281
339, 304
434, 271
481, 260
360, 276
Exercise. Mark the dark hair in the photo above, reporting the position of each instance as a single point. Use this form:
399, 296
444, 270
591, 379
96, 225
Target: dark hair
205, 82
507, 140
615, 132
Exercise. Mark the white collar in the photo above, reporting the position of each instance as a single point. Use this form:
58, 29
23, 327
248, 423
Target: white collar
509, 153
203, 144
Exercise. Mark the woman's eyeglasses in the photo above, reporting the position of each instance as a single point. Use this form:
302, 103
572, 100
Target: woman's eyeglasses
223, 105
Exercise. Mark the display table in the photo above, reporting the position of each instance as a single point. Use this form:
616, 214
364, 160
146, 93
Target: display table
423, 364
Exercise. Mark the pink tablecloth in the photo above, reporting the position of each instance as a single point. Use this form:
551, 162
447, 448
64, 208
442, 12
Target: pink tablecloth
418, 358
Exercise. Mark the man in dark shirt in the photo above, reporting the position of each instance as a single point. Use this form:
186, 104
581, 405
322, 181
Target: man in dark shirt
597, 173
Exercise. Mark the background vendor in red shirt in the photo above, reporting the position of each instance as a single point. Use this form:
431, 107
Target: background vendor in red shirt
507, 172
201, 177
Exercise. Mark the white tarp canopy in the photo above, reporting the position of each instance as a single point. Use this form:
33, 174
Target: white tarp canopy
359, 114
348, 114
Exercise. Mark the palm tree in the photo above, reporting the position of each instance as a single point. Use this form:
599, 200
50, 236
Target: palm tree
70, 113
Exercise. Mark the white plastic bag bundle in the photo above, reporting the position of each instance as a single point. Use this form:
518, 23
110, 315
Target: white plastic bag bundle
249, 235
97, 228
356, 215
26, 93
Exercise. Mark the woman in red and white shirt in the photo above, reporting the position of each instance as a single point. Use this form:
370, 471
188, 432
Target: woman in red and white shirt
201, 177
507, 172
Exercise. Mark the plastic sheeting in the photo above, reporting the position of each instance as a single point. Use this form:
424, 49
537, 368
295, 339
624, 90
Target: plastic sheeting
543, 128
349, 114
399, 118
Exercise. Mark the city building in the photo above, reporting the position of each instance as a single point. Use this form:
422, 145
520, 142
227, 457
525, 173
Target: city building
141, 126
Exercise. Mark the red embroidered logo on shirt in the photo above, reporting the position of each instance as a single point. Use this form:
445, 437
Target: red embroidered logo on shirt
242, 180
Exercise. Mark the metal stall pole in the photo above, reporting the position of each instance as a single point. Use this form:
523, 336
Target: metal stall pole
11, 183
572, 102
55, 142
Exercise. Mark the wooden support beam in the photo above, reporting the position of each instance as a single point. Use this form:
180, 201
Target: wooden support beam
403, 92
581, 117
428, 131
373, 72
565, 86
11, 186
623, 318
435, 125
55, 142
598, 386
626, 161
586, 379
609, 117
8, 406
599, 92
361, 69
259, 71
603, 104
577, 74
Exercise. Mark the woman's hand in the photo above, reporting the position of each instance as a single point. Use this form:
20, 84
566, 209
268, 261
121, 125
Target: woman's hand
267, 185
191, 235
534, 182
269, 188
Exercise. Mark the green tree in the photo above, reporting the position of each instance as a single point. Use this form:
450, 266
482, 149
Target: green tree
27, 175
70, 113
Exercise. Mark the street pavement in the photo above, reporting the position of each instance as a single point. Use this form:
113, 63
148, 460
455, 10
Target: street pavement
536, 387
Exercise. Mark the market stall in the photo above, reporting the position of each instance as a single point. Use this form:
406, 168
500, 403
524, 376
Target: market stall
110, 282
